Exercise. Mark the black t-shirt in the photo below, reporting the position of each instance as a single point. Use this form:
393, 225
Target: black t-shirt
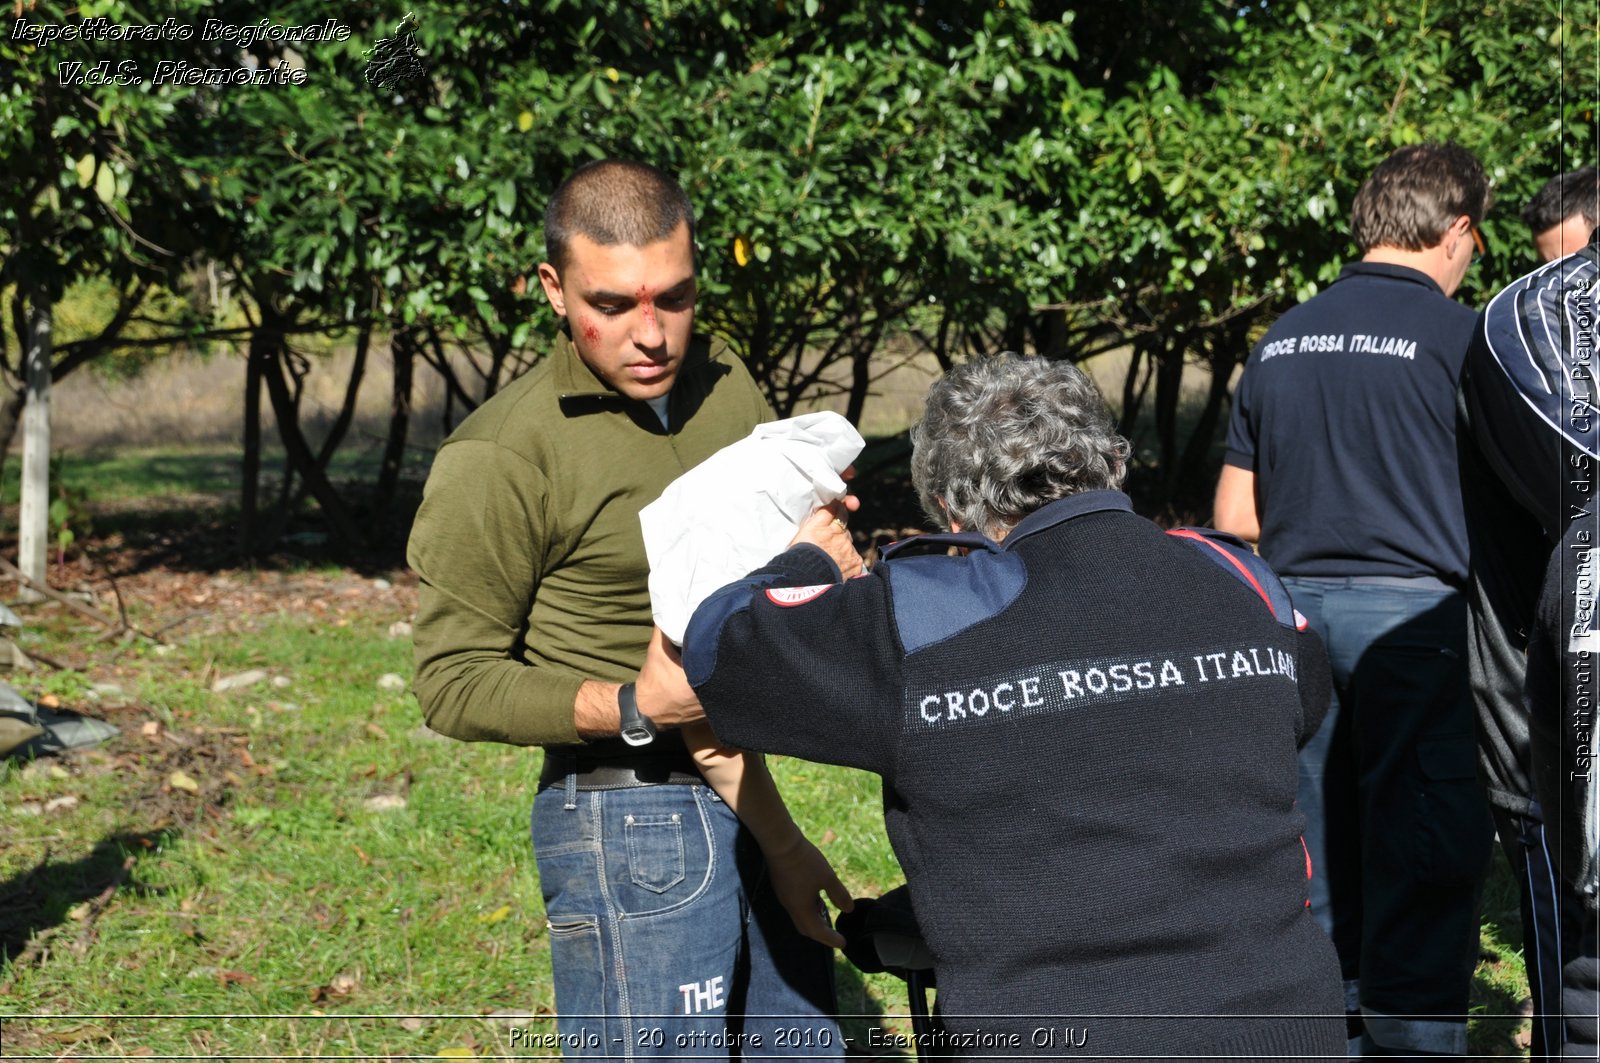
1346, 414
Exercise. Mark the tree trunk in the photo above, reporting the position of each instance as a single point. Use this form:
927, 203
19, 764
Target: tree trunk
250, 487
1132, 393
1015, 336
63, 359
941, 343
34, 533
1054, 344
1169, 389
1195, 475
394, 451
1193, 484
347, 411
860, 381
345, 533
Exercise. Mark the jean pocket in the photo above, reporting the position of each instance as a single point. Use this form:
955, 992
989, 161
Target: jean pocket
570, 926
582, 977
655, 851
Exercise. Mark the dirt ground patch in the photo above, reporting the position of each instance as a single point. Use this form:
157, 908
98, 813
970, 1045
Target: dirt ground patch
165, 601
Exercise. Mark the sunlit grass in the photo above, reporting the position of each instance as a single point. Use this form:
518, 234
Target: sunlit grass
279, 890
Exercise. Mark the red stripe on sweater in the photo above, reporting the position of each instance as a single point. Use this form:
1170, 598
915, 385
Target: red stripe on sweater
1234, 561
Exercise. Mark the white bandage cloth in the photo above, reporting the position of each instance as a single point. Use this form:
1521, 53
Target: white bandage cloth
739, 508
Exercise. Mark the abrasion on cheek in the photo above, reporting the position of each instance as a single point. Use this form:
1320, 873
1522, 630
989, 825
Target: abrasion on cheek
590, 331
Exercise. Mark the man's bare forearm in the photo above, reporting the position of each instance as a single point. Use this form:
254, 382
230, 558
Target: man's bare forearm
742, 781
595, 711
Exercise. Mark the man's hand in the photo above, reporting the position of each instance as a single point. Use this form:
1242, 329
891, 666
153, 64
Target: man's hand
662, 690
826, 528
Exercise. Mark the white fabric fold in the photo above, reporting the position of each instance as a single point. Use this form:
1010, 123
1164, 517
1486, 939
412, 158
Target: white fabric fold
739, 508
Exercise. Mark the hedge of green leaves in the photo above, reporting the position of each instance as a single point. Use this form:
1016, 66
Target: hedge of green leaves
1166, 175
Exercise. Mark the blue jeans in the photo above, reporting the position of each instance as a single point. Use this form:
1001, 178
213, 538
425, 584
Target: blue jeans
1397, 824
666, 939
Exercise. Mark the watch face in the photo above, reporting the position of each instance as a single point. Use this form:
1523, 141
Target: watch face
638, 735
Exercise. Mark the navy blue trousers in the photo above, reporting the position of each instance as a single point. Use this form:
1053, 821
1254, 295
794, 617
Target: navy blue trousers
1397, 825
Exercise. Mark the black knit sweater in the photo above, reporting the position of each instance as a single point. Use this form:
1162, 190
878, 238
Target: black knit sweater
1087, 740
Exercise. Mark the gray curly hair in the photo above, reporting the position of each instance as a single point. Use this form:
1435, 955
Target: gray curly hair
1002, 436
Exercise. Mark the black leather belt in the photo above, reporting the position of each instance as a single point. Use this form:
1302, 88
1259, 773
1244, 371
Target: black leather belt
670, 769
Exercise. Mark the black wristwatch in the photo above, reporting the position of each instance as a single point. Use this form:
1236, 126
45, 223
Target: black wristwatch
637, 728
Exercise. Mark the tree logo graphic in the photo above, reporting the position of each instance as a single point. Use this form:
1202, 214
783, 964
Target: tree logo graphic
391, 61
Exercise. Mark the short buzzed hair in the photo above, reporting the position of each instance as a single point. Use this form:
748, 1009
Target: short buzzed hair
614, 201
1416, 194
1562, 197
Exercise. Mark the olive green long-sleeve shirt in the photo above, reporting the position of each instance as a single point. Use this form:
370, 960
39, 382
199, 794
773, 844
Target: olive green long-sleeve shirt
532, 565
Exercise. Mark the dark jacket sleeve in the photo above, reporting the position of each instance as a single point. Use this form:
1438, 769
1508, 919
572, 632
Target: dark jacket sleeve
789, 660
1560, 690
1316, 685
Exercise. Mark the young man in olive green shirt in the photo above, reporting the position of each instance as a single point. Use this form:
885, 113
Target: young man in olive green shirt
534, 628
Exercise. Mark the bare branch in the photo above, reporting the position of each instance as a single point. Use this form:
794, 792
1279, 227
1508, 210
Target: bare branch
7, 568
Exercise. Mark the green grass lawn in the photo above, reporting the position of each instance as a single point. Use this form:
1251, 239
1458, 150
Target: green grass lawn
277, 905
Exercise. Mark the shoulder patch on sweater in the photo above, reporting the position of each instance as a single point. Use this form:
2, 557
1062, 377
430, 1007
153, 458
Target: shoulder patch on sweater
938, 597
791, 596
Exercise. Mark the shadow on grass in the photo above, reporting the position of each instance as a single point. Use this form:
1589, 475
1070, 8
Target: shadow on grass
200, 534
861, 1014
180, 510
100, 475
39, 900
